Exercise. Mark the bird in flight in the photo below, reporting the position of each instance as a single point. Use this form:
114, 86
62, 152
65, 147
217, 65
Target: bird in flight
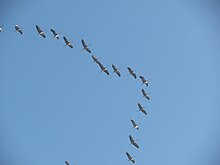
141, 108
18, 29
144, 81
132, 72
85, 46
145, 94
55, 34
133, 141
135, 125
130, 158
67, 42
95, 60
116, 70
104, 69
40, 32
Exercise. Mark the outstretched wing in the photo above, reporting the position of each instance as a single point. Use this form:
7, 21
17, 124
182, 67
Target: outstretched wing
114, 68
53, 31
38, 29
133, 123
83, 43
67, 163
142, 110
144, 93
139, 106
65, 40
129, 156
134, 75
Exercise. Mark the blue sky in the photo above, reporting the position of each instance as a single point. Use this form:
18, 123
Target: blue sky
55, 105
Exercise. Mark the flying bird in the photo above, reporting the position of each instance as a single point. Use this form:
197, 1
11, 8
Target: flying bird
85, 46
130, 158
95, 60
18, 29
141, 108
144, 81
67, 42
104, 69
135, 125
116, 70
67, 163
145, 94
133, 141
40, 32
132, 72
55, 34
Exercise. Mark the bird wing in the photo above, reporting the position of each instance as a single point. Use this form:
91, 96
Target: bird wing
135, 144
118, 73
133, 74
129, 156
54, 32
83, 43
143, 92
133, 123
139, 106
106, 71
142, 110
67, 163
114, 67
65, 40
130, 70
142, 79
70, 45
42, 34
88, 50
38, 29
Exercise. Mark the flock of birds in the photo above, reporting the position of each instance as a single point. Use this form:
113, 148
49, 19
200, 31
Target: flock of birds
103, 69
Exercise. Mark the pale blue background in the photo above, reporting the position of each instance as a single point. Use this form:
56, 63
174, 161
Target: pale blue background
55, 105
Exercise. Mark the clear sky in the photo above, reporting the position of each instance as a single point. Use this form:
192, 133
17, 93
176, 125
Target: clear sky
56, 105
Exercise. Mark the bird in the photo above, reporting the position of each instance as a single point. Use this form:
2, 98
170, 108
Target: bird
55, 34
85, 47
141, 109
18, 29
135, 125
145, 94
67, 42
40, 31
116, 70
67, 163
132, 72
1, 28
130, 158
144, 81
133, 141
104, 69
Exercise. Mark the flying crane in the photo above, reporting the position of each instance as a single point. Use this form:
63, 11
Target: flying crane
85, 46
67, 42
141, 108
135, 125
116, 70
133, 141
144, 81
145, 94
104, 69
40, 32
55, 34
130, 158
95, 60
132, 72
18, 29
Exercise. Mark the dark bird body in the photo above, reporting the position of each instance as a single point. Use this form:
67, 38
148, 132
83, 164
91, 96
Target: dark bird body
40, 32
145, 94
104, 69
55, 34
133, 141
116, 70
132, 72
130, 158
141, 109
144, 81
85, 46
18, 29
67, 163
67, 42
135, 125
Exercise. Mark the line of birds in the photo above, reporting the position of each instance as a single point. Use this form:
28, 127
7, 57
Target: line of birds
103, 69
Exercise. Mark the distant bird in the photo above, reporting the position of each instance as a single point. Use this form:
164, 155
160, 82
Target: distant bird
141, 109
40, 32
55, 34
145, 94
1, 28
67, 163
67, 42
133, 141
144, 81
18, 29
95, 60
130, 158
104, 69
132, 72
135, 125
116, 70
85, 46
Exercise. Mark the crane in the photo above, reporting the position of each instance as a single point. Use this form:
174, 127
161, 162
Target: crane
130, 158
18, 29
55, 34
95, 60
116, 70
133, 141
40, 32
135, 125
141, 108
132, 72
144, 81
85, 46
145, 94
67, 42
104, 69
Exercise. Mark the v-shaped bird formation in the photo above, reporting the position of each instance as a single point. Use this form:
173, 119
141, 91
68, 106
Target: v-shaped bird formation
104, 69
